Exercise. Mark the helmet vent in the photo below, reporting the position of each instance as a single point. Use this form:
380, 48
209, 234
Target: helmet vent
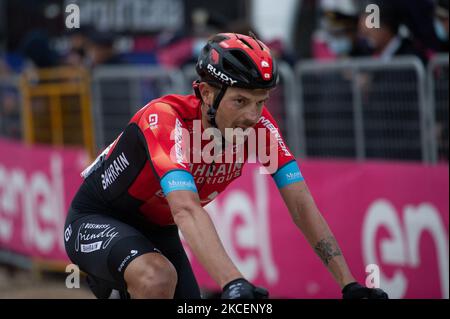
219, 38
246, 43
242, 57
250, 33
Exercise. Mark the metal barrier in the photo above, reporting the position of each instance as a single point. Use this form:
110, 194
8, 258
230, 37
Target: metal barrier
359, 108
56, 107
10, 101
119, 91
363, 108
438, 73
282, 102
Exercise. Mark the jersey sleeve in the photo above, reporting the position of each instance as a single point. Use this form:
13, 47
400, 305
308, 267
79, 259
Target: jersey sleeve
278, 158
167, 139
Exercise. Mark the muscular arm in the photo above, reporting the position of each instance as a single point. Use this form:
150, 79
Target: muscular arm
201, 236
309, 220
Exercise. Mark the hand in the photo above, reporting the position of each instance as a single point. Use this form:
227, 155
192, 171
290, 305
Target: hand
242, 289
355, 291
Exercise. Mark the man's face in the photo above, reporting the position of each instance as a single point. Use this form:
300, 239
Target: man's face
239, 108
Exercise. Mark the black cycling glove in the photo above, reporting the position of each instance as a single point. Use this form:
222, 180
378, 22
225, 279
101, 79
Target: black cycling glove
356, 291
242, 289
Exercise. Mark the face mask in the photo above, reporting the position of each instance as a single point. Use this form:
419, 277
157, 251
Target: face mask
340, 46
440, 30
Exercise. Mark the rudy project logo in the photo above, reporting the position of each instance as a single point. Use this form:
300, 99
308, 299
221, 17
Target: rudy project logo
218, 74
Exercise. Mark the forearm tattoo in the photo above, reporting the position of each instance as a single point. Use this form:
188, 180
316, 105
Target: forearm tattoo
327, 248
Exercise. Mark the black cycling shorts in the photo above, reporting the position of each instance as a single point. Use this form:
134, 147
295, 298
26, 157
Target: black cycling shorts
103, 245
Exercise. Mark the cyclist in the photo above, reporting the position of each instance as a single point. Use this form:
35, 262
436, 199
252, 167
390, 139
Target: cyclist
122, 226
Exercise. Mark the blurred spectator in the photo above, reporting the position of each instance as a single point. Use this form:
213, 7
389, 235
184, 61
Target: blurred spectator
36, 47
78, 41
100, 50
441, 24
416, 18
178, 48
4, 68
386, 41
393, 114
338, 34
304, 26
175, 50
278, 48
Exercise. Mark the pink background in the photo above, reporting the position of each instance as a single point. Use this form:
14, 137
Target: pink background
37, 184
344, 192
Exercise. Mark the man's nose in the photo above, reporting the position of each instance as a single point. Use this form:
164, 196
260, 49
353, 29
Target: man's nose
251, 117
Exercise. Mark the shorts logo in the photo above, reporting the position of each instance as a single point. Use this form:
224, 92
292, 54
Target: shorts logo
126, 259
88, 232
88, 248
68, 233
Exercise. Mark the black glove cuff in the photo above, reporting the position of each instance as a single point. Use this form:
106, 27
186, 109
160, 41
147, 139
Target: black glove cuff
350, 286
233, 282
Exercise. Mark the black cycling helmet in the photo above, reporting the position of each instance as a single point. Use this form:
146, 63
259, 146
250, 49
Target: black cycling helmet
237, 60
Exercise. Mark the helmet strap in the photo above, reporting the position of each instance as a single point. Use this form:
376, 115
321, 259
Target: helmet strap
195, 86
213, 108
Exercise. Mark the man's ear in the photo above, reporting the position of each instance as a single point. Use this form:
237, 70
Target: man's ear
207, 93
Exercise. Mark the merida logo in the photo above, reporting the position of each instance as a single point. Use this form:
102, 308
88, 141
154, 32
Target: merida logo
113, 171
273, 129
179, 142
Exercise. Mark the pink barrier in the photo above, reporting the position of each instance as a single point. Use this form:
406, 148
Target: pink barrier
393, 215
36, 186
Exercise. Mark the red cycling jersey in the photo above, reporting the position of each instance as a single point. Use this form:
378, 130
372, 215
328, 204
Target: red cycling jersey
159, 139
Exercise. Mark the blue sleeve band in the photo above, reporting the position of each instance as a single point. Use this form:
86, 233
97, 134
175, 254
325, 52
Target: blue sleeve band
178, 180
288, 174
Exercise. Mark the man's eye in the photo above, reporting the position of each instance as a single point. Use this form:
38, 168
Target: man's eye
239, 101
